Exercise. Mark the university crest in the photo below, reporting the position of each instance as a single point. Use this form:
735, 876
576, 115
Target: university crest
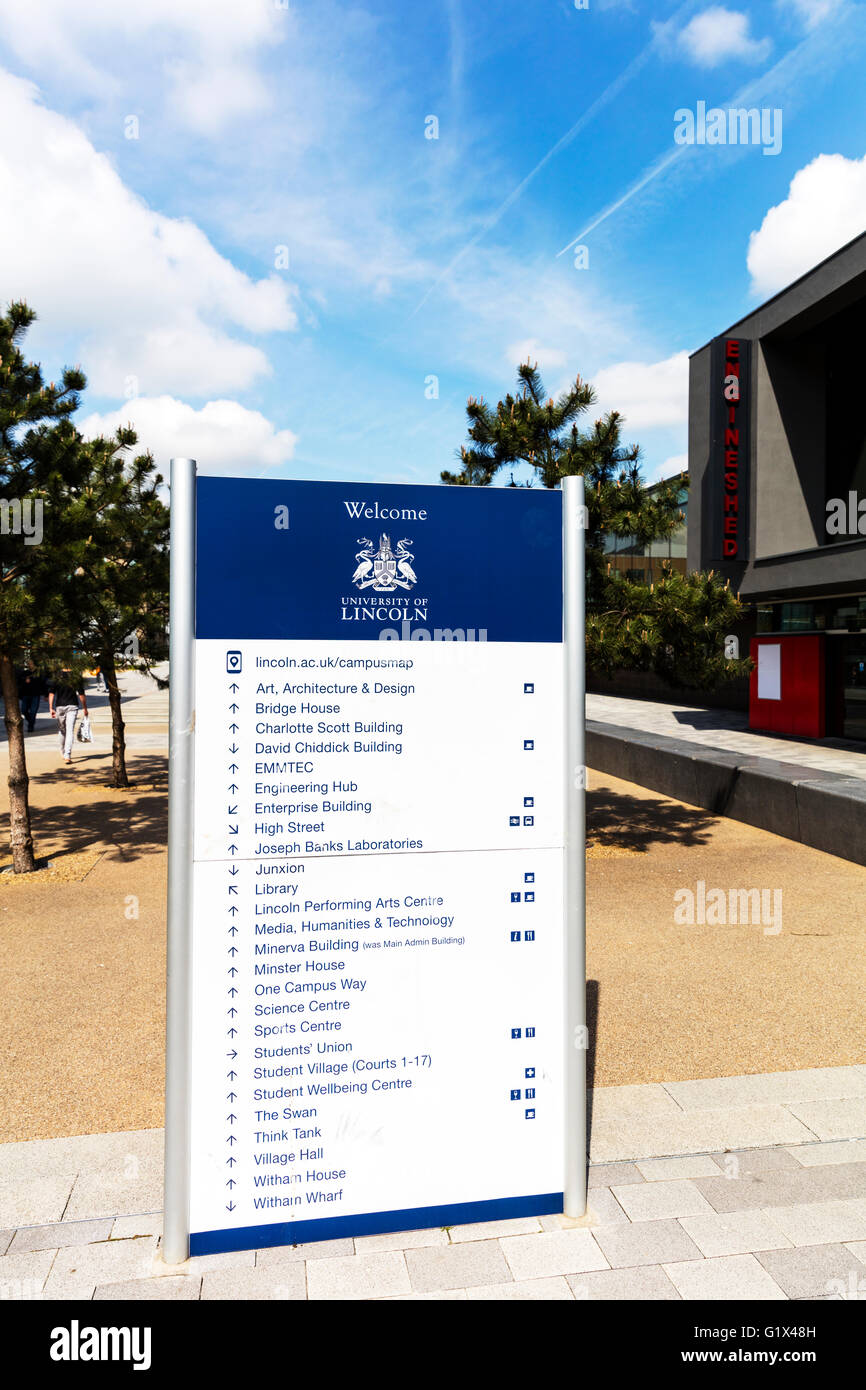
384, 570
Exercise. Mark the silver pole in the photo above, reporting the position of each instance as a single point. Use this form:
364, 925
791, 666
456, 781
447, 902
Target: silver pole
181, 723
574, 592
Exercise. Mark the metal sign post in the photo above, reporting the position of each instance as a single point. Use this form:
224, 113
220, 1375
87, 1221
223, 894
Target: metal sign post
181, 735
574, 632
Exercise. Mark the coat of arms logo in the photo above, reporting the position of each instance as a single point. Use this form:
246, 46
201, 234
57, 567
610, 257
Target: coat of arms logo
384, 570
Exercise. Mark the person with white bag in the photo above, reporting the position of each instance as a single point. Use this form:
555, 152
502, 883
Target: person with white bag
65, 697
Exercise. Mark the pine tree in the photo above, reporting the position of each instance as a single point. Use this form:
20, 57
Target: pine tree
117, 598
675, 626
38, 463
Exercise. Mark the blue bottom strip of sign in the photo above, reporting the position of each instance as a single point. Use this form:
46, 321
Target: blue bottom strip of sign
371, 1223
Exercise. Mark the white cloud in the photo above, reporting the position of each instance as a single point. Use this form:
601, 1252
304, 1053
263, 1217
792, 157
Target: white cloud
213, 75
208, 97
825, 208
718, 35
531, 350
222, 434
648, 394
144, 295
495, 307
677, 463
810, 12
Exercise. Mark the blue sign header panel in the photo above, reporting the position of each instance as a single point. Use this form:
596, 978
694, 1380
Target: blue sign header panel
296, 560
377, 941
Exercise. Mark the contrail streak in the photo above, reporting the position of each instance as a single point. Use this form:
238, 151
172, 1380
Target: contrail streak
785, 74
604, 99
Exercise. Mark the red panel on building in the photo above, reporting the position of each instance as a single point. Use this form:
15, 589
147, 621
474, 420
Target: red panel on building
801, 708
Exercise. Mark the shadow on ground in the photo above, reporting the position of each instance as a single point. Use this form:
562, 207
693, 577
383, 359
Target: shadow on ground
593, 1000
726, 719
730, 721
131, 822
94, 770
614, 819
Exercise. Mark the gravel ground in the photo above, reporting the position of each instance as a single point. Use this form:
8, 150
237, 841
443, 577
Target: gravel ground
82, 953
82, 950
676, 1001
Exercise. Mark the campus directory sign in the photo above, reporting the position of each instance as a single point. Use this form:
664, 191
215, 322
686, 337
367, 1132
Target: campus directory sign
376, 956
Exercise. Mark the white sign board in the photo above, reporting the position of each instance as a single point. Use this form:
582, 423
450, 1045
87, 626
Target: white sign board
377, 939
769, 671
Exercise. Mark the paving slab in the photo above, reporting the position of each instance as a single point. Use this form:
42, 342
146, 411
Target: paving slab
735, 1233
829, 1151
115, 1192
525, 1290
80, 1153
815, 1271
314, 1250
689, 1166
730, 1279
742, 1163
139, 1224
35, 1201
403, 1240
603, 1209
833, 1119
696, 1131
438, 1296
148, 1290
78, 1269
60, 1233
267, 1282
647, 1282
658, 1201
361, 1276
646, 1243
473, 1265
769, 1088
203, 1264
492, 1230
552, 1253
785, 1187
23, 1276
821, 1223
613, 1174
724, 729
630, 1100
6, 1238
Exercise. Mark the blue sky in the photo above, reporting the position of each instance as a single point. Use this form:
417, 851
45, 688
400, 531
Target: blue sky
229, 213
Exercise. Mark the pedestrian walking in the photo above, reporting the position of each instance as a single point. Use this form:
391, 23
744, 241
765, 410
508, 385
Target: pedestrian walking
31, 688
65, 697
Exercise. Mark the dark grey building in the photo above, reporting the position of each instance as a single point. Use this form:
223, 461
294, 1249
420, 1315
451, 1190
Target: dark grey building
777, 463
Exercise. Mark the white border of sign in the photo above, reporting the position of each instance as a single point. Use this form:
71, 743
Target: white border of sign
175, 1244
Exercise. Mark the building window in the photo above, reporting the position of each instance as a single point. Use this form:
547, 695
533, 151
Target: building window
643, 564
